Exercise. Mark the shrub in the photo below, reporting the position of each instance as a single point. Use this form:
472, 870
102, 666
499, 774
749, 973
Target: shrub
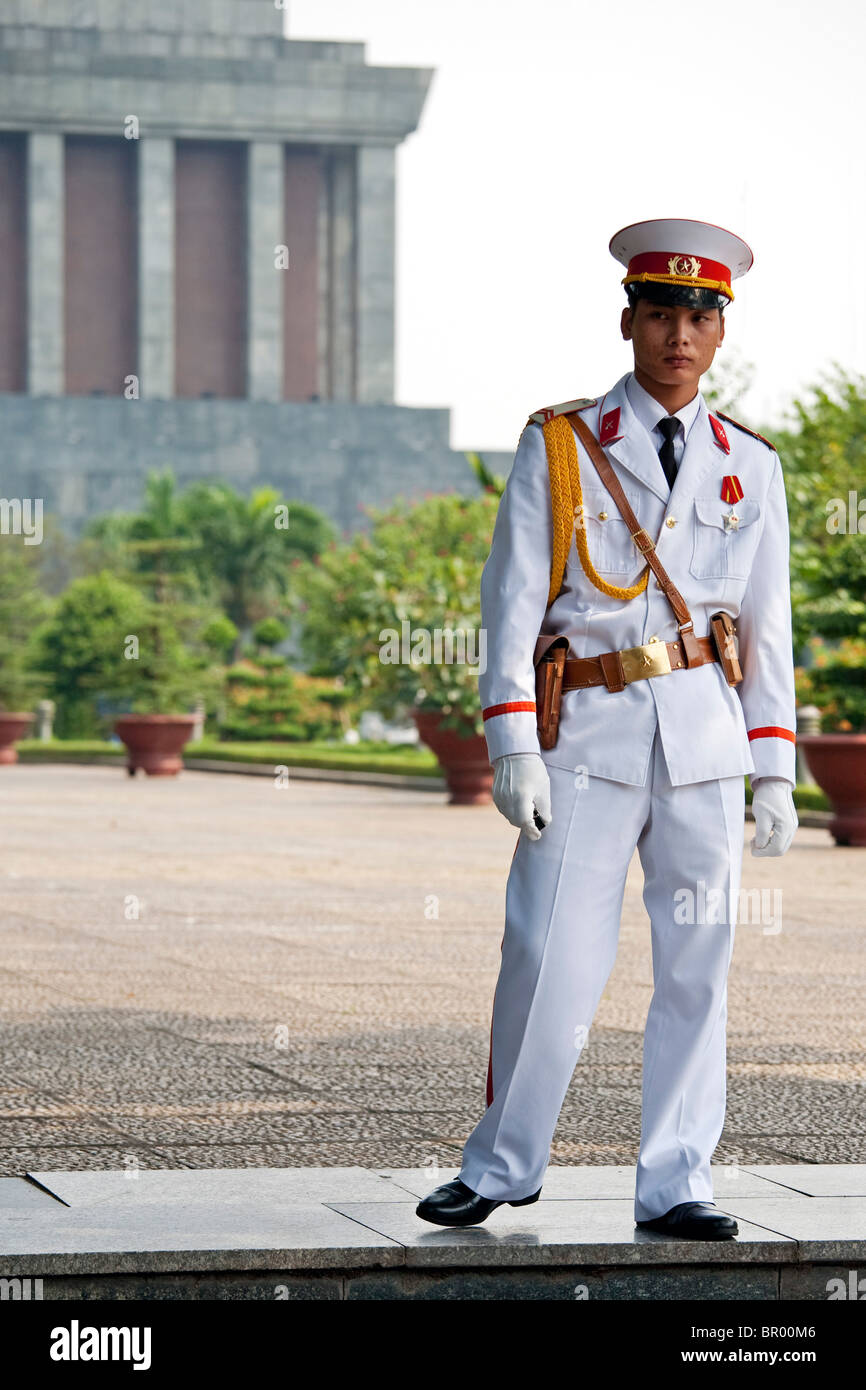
420, 565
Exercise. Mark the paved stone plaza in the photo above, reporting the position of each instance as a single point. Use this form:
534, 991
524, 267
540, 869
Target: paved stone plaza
214, 972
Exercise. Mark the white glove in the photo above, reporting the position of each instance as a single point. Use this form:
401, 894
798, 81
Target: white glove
520, 782
775, 816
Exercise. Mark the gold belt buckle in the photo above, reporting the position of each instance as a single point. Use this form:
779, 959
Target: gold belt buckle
651, 659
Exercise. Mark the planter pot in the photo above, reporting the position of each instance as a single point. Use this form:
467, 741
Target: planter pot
464, 761
838, 764
154, 741
12, 727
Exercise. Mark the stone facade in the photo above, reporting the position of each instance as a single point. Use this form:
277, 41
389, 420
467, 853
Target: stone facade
84, 456
304, 366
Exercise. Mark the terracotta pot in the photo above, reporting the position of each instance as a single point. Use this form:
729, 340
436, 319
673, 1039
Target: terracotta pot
12, 727
464, 761
154, 741
838, 764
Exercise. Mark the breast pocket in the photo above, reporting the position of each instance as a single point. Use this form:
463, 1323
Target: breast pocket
720, 552
611, 548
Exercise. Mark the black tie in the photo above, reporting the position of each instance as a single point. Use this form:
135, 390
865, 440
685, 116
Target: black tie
668, 427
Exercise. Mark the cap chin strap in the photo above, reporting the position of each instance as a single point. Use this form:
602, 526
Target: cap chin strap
692, 281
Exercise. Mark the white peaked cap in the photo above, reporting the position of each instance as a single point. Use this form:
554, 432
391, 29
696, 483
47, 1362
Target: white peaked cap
680, 251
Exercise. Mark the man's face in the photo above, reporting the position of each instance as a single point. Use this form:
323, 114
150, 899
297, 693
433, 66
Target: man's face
673, 345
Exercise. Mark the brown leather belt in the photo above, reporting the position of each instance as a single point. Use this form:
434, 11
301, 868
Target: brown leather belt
618, 669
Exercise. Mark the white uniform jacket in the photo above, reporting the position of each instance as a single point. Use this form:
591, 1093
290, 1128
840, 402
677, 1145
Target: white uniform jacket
708, 729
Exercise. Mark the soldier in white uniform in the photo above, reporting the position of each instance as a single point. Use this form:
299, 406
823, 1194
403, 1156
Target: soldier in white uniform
651, 754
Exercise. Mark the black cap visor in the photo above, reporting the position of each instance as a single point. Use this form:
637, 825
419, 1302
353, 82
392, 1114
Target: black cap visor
691, 296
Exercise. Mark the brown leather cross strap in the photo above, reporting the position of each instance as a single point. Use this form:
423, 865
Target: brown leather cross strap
616, 670
691, 649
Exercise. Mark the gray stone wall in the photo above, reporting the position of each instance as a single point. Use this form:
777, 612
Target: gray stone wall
214, 17
189, 83
86, 456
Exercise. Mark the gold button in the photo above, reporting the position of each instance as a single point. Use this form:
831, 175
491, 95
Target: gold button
654, 638
671, 521
602, 516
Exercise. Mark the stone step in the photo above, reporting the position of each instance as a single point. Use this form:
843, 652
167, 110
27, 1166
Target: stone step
349, 1233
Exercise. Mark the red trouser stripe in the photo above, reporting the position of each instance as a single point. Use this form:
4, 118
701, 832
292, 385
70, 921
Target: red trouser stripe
772, 731
490, 1054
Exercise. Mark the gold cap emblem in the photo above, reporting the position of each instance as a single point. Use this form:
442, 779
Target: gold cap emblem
684, 265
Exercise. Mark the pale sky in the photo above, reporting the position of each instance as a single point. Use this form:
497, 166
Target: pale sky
549, 125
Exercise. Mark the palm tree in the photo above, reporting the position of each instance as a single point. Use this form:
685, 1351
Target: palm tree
237, 550
247, 544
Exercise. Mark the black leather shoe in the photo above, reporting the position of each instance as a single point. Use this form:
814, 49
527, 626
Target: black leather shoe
455, 1204
694, 1221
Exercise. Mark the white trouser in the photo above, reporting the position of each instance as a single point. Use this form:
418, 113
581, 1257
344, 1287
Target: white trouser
562, 915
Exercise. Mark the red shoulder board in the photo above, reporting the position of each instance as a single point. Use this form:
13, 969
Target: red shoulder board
746, 430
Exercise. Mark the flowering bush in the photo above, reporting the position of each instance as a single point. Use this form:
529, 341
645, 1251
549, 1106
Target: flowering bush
835, 681
396, 612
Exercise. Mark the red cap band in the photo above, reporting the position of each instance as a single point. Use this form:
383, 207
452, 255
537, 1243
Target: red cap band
680, 269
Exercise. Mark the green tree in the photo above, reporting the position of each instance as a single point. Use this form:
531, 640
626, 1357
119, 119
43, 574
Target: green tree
420, 564
270, 632
82, 650
823, 453
127, 541
247, 545
110, 643
212, 541
22, 607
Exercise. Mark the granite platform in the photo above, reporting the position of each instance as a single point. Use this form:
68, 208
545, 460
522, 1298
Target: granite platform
352, 1233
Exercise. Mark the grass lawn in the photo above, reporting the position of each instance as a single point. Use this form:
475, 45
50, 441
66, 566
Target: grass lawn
403, 759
